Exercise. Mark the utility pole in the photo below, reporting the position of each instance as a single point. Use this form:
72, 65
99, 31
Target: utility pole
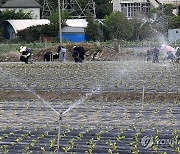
60, 29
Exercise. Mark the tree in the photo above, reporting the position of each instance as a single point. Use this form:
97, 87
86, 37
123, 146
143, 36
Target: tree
93, 29
164, 10
12, 14
34, 33
103, 8
117, 26
174, 22
141, 29
163, 15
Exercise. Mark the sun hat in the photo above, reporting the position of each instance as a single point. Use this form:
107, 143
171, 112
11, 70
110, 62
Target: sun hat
23, 48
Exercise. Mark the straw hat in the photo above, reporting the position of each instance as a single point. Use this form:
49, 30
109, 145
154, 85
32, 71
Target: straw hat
23, 48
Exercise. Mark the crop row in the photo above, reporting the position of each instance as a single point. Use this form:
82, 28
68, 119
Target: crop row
112, 76
92, 127
111, 114
87, 140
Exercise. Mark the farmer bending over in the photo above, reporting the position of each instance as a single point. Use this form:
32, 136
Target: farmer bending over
25, 54
62, 53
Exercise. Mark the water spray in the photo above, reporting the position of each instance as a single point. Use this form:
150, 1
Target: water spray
32, 91
59, 114
97, 90
69, 109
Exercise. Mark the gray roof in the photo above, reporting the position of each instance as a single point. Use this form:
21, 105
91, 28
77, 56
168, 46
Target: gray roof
21, 4
67, 29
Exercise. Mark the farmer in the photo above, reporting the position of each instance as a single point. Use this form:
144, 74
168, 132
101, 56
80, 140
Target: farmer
169, 52
155, 55
26, 54
177, 54
149, 54
75, 54
48, 56
62, 53
78, 54
171, 56
82, 52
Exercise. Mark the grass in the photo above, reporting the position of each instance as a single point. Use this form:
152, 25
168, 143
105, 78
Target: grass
5, 48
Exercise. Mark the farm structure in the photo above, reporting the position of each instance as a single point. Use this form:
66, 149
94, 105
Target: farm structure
132, 8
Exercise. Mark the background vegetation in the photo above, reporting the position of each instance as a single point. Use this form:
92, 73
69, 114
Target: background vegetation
115, 25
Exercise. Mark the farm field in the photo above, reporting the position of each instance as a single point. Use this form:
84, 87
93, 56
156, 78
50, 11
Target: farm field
102, 105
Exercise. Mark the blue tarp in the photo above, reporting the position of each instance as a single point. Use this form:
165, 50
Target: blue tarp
75, 37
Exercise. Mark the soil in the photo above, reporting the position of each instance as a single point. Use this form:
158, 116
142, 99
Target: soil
105, 53
74, 95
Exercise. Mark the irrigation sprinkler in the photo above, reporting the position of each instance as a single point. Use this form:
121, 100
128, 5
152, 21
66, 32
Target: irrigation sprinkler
59, 132
143, 91
70, 108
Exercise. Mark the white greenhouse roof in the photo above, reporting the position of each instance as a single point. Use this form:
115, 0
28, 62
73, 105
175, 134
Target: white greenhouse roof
23, 24
76, 23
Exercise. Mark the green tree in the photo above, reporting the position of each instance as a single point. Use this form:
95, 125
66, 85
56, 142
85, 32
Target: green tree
34, 33
164, 10
12, 14
174, 22
163, 15
93, 29
118, 26
103, 8
141, 30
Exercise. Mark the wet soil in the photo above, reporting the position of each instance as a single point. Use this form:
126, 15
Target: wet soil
75, 95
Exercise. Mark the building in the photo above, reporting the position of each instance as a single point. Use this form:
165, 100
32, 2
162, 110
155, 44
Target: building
134, 7
174, 35
11, 27
75, 30
25, 5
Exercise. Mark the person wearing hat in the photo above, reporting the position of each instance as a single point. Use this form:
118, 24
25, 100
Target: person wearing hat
25, 54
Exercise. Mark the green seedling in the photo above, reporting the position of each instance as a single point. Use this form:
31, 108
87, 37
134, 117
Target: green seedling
98, 137
155, 148
52, 143
43, 150
4, 149
119, 137
80, 136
